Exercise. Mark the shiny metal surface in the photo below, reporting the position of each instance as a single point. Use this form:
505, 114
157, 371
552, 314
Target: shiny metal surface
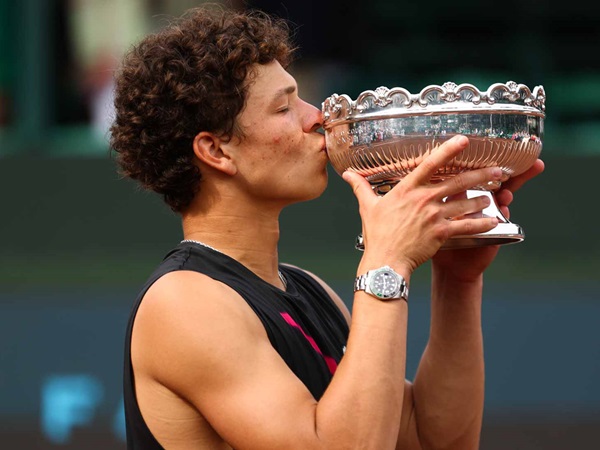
384, 134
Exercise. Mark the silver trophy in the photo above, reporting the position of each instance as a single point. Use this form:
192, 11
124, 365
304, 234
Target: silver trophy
384, 134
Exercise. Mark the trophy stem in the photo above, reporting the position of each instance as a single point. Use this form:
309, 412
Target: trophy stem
504, 233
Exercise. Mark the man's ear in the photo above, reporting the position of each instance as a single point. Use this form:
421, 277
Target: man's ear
208, 148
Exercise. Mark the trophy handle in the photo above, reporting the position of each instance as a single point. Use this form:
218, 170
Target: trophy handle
504, 233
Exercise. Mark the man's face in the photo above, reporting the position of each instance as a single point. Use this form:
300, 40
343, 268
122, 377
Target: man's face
281, 156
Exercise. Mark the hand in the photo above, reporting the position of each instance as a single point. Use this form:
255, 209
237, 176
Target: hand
408, 225
470, 263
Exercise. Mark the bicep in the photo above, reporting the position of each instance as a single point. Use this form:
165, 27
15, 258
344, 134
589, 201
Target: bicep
216, 354
252, 399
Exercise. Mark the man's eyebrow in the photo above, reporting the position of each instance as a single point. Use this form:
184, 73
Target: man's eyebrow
284, 91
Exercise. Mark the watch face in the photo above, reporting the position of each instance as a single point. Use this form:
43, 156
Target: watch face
385, 284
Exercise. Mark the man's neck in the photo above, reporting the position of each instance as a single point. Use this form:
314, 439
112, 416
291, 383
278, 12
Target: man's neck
247, 234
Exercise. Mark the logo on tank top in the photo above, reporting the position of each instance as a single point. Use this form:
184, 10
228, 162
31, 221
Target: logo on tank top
331, 364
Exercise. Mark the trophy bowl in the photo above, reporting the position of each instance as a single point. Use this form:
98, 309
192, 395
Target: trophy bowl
385, 134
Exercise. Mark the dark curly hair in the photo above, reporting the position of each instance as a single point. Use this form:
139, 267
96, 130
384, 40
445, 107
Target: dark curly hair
191, 76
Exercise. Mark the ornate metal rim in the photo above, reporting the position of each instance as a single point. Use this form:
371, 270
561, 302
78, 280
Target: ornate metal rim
447, 98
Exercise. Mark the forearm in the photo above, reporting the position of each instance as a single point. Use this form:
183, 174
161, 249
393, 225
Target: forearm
365, 391
449, 385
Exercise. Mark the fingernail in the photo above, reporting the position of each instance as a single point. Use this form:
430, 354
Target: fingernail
460, 139
497, 172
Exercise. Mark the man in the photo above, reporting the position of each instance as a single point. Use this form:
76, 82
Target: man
227, 348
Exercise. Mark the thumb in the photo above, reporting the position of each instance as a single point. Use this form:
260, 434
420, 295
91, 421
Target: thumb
360, 186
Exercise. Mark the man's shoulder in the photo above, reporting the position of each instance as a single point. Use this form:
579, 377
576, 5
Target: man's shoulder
184, 301
194, 314
189, 289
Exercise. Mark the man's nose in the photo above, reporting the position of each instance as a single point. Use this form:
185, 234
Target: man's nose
314, 118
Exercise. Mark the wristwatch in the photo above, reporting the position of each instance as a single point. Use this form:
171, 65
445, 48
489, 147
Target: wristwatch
382, 283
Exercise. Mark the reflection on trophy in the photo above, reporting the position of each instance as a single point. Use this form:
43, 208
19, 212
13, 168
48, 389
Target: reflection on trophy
384, 134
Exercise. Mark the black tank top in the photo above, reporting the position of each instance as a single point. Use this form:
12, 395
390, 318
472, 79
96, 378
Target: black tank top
303, 324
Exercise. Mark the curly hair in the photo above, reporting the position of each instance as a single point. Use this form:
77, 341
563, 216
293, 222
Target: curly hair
189, 77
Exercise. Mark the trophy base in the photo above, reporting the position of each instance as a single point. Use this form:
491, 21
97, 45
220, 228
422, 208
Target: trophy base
504, 233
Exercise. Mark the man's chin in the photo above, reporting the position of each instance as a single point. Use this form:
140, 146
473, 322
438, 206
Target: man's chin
320, 189
314, 193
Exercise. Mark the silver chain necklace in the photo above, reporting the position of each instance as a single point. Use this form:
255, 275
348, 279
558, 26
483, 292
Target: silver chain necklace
192, 241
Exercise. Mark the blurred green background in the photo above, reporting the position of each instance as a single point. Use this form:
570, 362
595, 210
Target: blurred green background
77, 241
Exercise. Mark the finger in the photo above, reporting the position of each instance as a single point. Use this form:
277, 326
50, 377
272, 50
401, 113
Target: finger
459, 196
514, 184
471, 226
504, 197
463, 207
438, 158
468, 180
360, 186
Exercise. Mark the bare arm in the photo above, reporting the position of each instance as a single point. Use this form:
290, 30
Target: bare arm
450, 376
407, 436
449, 385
